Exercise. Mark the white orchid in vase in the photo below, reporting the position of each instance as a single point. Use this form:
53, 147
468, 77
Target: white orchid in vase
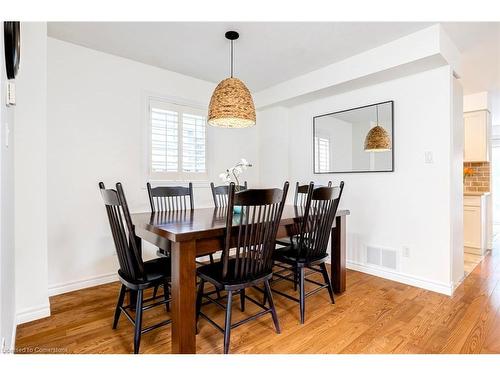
234, 172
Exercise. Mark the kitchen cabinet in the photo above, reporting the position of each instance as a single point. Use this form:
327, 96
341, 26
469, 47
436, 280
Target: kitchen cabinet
477, 233
477, 136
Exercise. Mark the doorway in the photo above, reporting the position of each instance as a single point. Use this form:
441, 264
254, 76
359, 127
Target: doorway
495, 180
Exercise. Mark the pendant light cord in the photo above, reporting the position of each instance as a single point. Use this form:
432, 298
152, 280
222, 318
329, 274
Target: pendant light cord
377, 114
231, 59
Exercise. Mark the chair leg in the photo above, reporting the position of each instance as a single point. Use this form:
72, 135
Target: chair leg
264, 300
242, 299
302, 294
199, 298
166, 296
295, 278
138, 322
271, 305
119, 304
324, 271
227, 327
155, 291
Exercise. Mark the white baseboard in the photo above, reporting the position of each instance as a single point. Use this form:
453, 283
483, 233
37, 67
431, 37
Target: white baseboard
71, 286
33, 313
402, 278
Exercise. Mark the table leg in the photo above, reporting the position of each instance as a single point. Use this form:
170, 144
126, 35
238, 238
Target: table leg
338, 255
183, 297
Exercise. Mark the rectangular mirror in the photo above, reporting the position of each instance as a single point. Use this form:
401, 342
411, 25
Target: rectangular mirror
350, 141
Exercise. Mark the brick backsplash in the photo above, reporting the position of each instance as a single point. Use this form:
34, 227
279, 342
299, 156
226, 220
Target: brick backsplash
480, 181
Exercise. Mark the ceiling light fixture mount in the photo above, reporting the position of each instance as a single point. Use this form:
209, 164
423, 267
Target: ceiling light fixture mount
231, 105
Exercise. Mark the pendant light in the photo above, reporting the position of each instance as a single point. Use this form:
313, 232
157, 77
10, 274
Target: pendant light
231, 105
377, 139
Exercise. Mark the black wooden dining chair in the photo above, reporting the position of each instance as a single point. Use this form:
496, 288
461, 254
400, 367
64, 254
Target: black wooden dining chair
299, 202
171, 198
220, 193
250, 236
135, 275
310, 250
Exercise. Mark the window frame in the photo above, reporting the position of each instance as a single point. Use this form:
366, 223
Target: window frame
179, 106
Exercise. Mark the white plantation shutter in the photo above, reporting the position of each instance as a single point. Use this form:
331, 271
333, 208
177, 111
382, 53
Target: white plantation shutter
322, 157
177, 142
164, 140
193, 143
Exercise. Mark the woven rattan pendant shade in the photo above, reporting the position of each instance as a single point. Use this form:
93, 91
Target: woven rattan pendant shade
231, 105
377, 139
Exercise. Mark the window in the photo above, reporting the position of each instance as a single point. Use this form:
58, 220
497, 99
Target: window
177, 142
322, 157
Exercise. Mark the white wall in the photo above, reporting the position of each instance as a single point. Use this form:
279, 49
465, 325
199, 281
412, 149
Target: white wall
457, 186
32, 300
7, 253
273, 143
96, 119
408, 207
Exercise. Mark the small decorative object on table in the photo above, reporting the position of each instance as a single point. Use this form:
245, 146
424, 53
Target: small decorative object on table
233, 173
468, 172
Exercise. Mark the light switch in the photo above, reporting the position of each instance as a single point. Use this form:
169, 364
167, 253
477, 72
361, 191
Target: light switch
429, 157
11, 94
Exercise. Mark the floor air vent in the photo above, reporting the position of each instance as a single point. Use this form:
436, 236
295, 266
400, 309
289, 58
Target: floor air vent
382, 257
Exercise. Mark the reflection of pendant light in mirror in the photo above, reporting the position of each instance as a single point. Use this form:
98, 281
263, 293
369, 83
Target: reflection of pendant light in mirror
231, 105
377, 139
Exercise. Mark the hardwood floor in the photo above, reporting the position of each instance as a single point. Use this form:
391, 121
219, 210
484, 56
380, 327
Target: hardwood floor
374, 316
471, 261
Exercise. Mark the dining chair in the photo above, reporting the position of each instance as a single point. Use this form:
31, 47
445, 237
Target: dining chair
250, 237
135, 275
171, 198
310, 249
299, 202
220, 193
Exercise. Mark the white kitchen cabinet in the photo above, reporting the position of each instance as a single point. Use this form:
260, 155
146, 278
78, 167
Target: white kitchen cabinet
477, 136
476, 231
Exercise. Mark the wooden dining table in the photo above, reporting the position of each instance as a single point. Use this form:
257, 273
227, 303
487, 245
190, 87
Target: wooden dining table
200, 231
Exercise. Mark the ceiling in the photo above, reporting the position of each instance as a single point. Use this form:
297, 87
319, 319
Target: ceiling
268, 53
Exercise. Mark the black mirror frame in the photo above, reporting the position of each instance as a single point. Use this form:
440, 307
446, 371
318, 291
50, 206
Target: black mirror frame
347, 110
